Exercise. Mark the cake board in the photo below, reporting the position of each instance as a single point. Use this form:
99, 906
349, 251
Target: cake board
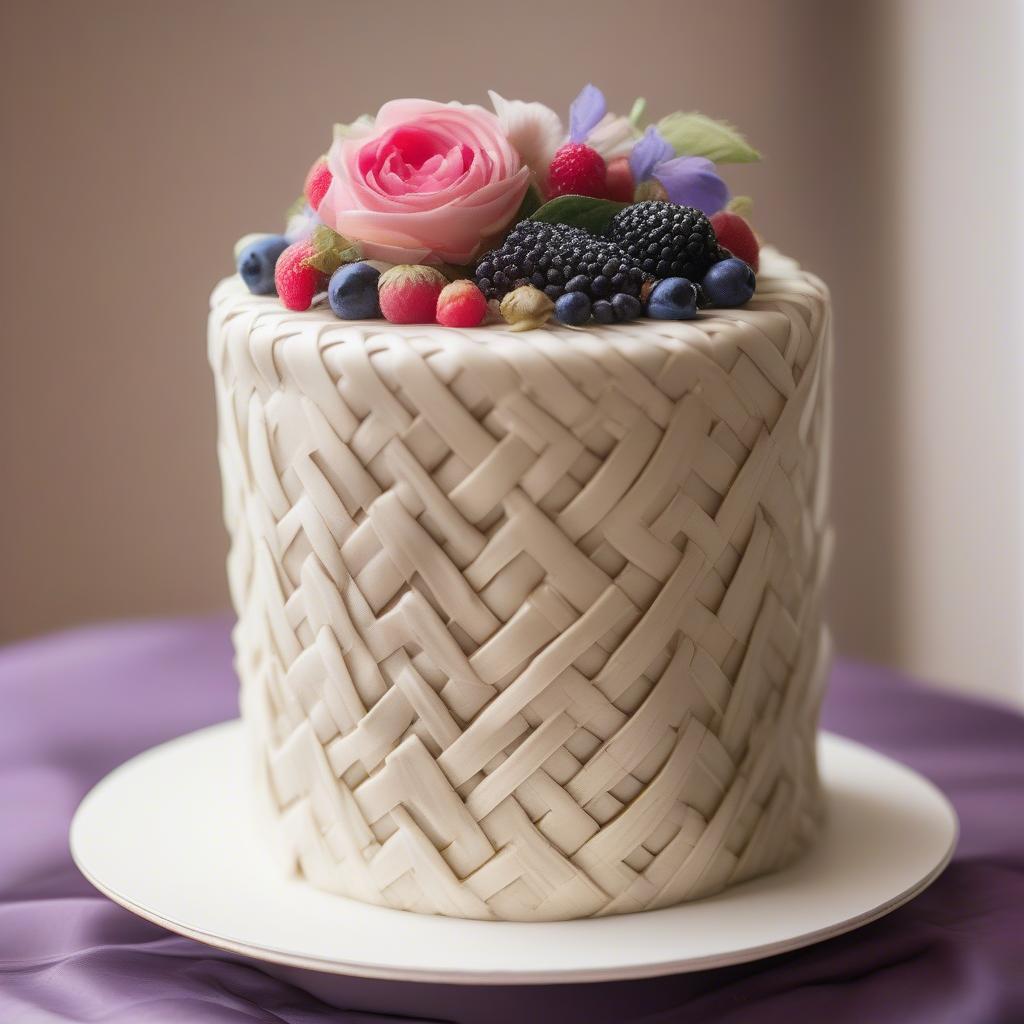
171, 836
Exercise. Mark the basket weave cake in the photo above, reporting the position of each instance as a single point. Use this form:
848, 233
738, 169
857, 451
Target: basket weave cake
529, 624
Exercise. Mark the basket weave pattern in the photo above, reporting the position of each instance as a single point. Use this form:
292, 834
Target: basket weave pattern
530, 626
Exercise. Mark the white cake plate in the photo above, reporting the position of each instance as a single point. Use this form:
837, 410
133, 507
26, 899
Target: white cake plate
170, 836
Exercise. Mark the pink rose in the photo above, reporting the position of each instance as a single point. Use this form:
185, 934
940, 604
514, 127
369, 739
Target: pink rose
425, 183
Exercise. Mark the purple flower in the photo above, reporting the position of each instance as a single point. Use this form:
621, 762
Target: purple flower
648, 152
687, 180
586, 110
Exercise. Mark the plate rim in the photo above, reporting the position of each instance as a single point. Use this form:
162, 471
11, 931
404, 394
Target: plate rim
510, 976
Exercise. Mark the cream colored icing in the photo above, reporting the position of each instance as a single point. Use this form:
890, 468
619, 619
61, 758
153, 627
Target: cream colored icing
530, 624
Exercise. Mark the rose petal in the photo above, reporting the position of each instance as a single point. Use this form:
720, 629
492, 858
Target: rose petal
431, 181
451, 233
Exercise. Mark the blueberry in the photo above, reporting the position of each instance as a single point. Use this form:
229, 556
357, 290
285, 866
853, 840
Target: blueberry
573, 308
579, 283
627, 307
729, 283
352, 292
256, 263
604, 312
675, 298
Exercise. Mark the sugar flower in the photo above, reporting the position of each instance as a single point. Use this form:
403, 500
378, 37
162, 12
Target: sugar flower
687, 180
424, 182
534, 130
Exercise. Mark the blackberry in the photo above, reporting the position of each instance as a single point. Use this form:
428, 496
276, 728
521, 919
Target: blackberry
666, 240
557, 258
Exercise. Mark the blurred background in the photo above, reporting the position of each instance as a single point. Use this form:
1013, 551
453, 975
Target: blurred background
142, 138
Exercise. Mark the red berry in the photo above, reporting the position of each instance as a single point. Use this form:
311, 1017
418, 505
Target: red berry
461, 304
620, 183
734, 233
577, 170
318, 181
297, 282
408, 293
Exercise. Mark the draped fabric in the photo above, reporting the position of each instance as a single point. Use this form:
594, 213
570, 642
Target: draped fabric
74, 705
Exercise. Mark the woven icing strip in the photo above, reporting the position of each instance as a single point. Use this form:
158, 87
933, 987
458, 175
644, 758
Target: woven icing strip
530, 627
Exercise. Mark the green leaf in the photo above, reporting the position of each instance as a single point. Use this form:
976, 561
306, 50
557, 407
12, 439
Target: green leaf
343, 131
330, 251
743, 205
295, 209
636, 114
695, 134
580, 211
531, 203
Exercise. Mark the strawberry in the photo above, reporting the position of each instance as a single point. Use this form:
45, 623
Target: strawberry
318, 181
408, 293
734, 234
461, 304
577, 170
296, 281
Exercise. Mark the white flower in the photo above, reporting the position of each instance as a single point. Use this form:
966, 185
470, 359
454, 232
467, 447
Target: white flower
301, 225
534, 130
613, 136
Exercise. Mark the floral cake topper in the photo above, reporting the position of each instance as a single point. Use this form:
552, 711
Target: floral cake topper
450, 212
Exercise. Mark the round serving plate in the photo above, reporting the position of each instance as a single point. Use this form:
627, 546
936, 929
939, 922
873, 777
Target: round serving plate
171, 836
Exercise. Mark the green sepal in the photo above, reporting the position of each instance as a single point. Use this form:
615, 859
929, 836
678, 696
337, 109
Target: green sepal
330, 251
295, 209
636, 113
649, 190
741, 205
579, 211
343, 131
696, 134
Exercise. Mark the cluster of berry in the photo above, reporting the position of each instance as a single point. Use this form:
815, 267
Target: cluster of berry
655, 258
359, 291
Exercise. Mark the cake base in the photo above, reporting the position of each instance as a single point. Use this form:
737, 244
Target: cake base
530, 625
169, 836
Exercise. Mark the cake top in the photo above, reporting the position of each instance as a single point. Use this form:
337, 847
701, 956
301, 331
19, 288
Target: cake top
455, 214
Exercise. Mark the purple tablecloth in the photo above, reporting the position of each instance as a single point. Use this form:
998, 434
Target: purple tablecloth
75, 705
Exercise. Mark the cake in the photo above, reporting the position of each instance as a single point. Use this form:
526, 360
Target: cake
529, 602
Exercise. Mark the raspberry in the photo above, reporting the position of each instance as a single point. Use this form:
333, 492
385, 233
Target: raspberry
318, 181
666, 240
577, 170
734, 234
620, 185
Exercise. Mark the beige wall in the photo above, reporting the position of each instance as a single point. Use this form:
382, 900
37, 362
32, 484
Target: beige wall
961, 330
142, 138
